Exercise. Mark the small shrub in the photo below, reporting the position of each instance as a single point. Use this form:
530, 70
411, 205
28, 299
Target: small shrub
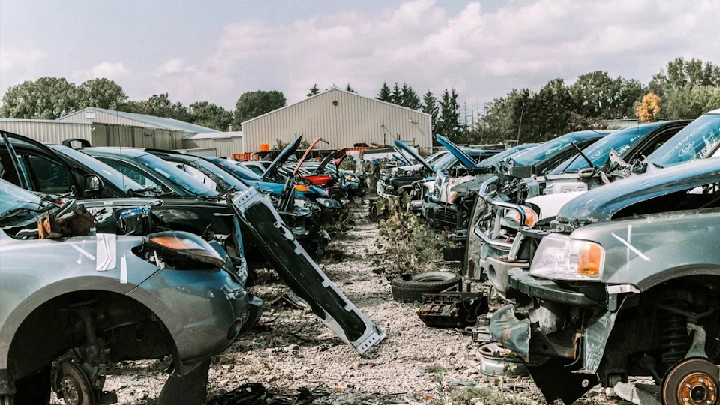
410, 246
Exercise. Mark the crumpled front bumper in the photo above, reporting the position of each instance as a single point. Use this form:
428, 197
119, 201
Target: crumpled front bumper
542, 330
511, 332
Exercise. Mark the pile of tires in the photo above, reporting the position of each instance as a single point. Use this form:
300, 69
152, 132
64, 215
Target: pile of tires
412, 287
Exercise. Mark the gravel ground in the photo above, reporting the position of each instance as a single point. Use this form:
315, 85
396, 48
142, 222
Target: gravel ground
415, 364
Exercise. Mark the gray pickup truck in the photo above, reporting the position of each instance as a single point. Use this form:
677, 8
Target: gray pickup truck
626, 283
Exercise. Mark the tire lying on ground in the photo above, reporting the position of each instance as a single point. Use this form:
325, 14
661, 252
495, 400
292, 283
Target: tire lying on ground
412, 287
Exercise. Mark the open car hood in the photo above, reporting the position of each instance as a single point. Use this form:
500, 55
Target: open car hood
282, 158
602, 203
402, 146
262, 224
463, 157
325, 161
306, 154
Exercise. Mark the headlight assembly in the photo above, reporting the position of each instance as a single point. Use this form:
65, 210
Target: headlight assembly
560, 257
530, 216
328, 203
181, 250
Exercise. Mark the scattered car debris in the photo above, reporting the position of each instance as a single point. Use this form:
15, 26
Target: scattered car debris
452, 309
257, 394
497, 361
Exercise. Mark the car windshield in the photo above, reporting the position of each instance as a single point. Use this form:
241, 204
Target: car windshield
236, 168
107, 173
211, 170
444, 162
435, 156
13, 197
698, 140
492, 160
544, 151
174, 175
599, 152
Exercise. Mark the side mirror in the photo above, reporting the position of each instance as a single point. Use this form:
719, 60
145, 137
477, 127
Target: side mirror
93, 184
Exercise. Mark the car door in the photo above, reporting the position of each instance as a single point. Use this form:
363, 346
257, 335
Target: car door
35, 166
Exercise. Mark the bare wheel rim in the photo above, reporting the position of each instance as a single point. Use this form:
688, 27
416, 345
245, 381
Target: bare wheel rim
697, 389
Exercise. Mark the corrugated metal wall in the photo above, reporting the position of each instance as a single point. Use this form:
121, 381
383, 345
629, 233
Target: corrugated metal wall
105, 118
48, 131
355, 119
226, 147
97, 134
120, 135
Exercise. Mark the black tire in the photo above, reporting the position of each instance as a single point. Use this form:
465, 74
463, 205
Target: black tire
411, 288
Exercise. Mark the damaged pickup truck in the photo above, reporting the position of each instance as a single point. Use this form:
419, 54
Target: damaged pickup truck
498, 211
626, 283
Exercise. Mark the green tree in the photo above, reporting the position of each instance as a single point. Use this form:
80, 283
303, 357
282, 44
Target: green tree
396, 95
597, 95
409, 98
680, 73
210, 115
450, 125
690, 102
430, 106
255, 103
101, 93
384, 94
350, 89
314, 91
45, 98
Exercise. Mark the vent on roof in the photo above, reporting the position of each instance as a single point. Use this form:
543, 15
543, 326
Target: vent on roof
89, 115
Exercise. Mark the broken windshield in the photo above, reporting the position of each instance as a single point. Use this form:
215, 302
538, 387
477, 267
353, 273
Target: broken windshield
599, 152
696, 141
550, 148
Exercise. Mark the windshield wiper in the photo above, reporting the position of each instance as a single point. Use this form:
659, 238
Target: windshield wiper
590, 163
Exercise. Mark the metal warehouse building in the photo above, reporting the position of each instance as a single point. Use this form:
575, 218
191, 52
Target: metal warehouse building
115, 128
342, 118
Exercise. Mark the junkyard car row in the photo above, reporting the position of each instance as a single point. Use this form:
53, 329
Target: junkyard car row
133, 254
602, 245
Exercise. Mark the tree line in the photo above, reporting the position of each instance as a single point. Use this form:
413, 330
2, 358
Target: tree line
683, 90
53, 97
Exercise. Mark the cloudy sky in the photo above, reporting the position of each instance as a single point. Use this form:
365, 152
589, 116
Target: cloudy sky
215, 50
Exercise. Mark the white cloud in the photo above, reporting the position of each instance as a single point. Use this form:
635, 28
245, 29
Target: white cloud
16, 60
19, 64
109, 70
483, 54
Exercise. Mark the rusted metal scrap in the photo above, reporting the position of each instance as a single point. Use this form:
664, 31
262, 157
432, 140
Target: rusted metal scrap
452, 309
79, 222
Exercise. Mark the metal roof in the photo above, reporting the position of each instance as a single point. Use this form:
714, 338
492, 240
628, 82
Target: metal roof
166, 123
214, 135
48, 121
329, 91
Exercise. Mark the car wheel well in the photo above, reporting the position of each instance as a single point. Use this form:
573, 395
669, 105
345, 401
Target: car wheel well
122, 325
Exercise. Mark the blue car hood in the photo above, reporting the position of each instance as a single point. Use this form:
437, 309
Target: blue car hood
463, 157
400, 144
